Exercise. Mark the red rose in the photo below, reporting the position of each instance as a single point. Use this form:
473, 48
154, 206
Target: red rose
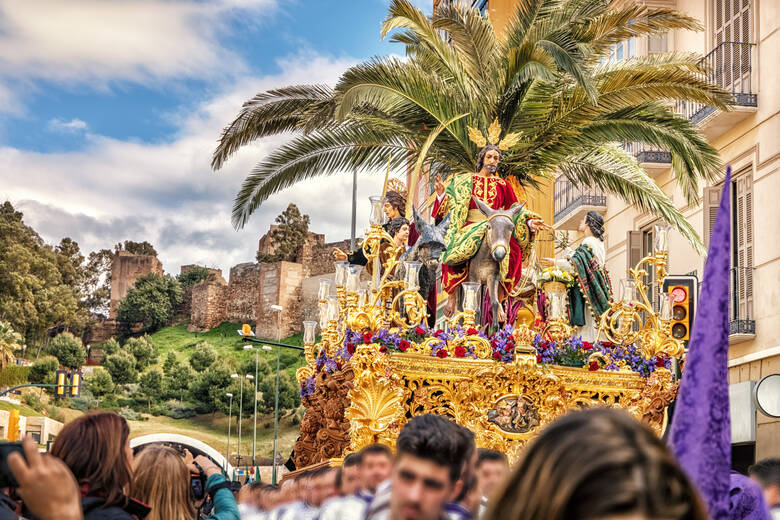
594, 365
607, 344
587, 345
351, 348
438, 332
367, 338
472, 331
510, 347
403, 345
460, 351
496, 355
338, 365
441, 353
538, 358
659, 362
419, 331
383, 348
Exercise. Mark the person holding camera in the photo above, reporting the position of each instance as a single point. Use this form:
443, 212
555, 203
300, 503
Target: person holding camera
178, 491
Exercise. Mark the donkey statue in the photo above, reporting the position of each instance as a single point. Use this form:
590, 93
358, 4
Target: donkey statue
485, 266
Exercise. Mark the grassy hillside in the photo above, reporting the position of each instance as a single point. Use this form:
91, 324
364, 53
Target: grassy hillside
225, 339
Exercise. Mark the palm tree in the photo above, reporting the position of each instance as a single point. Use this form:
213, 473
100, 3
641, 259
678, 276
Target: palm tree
546, 78
10, 340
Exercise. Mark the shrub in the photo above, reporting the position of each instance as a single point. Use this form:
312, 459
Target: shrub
109, 347
121, 366
185, 410
204, 356
143, 350
151, 301
33, 400
129, 414
13, 375
55, 413
43, 370
100, 383
68, 349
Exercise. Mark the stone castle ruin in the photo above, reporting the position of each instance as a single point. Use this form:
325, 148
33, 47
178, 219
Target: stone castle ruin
245, 297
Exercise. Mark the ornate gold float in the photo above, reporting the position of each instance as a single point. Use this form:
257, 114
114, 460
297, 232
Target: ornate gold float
375, 367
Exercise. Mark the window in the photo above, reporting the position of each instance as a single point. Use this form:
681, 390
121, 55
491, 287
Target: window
482, 5
36, 436
731, 21
657, 43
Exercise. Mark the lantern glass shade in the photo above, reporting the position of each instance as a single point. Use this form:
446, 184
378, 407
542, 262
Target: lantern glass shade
412, 276
627, 290
333, 309
323, 307
557, 304
377, 216
470, 296
362, 297
667, 302
661, 241
309, 332
341, 273
324, 290
353, 278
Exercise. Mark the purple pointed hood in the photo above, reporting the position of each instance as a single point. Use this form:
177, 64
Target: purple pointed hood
701, 428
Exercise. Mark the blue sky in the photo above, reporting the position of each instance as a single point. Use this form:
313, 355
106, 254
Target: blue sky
109, 112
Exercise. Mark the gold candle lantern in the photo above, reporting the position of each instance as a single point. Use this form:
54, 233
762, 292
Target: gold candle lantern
309, 338
353, 279
341, 273
377, 215
324, 291
412, 276
661, 232
470, 296
627, 290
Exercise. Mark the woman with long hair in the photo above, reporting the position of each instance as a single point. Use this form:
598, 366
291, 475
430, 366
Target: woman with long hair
96, 449
162, 480
596, 464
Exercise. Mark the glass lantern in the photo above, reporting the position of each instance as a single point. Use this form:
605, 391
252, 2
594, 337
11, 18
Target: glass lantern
661, 242
470, 296
353, 278
323, 308
309, 332
667, 302
341, 273
557, 301
324, 291
333, 309
412, 276
362, 297
627, 290
377, 215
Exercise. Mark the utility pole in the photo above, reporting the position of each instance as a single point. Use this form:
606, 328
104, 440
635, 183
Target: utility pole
354, 209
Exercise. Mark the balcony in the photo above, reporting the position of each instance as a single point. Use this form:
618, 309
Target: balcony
742, 326
729, 66
571, 203
651, 158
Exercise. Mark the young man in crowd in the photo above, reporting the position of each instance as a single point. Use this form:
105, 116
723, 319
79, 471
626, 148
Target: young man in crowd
464, 504
492, 472
428, 468
350, 475
376, 466
766, 473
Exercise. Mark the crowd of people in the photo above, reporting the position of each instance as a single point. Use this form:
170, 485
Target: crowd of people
598, 463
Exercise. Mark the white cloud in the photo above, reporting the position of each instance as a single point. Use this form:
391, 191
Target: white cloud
68, 127
113, 190
96, 43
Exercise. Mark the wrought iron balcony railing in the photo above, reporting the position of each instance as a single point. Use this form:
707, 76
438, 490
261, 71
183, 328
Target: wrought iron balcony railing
729, 66
646, 153
569, 197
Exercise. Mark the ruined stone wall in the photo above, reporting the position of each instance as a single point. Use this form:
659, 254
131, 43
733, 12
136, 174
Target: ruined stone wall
280, 284
242, 292
126, 268
320, 260
185, 307
208, 305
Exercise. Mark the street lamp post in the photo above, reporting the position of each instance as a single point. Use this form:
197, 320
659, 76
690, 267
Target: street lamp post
240, 413
230, 420
278, 310
254, 428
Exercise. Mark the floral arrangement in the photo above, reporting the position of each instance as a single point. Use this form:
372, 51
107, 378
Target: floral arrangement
556, 274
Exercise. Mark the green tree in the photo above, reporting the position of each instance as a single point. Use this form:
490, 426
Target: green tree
192, 276
109, 347
151, 302
150, 384
96, 286
170, 363
287, 237
34, 295
547, 80
121, 366
136, 248
101, 384
206, 387
178, 380
248, 409
143, 350
10, 341
203, 357
43, 370
289, 393
68, 349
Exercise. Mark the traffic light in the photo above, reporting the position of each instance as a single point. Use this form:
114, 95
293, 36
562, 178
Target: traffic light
13, 426
61, 377
684, 291
75, 384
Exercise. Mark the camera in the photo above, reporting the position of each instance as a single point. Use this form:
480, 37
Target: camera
198, 483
